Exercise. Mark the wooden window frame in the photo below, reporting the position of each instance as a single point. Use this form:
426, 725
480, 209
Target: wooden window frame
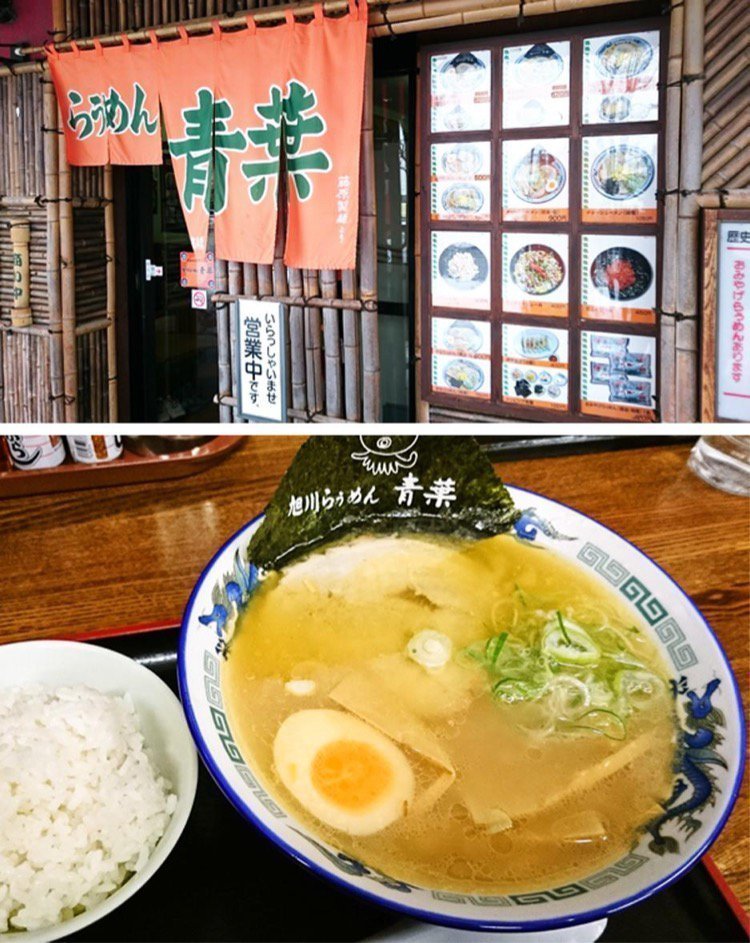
574, 131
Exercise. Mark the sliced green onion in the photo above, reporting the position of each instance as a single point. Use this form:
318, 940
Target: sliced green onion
561, 623
603, 721
493, 647
511, 690
432, 650
570, 645
637, 684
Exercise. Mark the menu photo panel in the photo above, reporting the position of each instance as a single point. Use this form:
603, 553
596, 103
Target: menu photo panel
461, 269
460, 84
460, 181
461, 357
619, 179
535, 180
536, 85
618, 278
618, 376
535, 369
621, 78
535, 273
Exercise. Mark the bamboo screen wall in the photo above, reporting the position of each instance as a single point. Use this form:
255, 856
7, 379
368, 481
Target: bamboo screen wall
56, 368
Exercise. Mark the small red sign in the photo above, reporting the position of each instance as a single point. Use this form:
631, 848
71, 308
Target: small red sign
197, 271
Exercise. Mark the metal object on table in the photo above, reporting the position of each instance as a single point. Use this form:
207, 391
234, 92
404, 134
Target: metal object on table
153, 445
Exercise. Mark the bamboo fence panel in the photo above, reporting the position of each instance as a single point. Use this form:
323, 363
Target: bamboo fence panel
726, 98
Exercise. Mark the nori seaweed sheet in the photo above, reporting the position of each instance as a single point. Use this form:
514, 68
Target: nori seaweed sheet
325, 466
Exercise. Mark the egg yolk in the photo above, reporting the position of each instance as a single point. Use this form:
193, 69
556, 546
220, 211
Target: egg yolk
350, 773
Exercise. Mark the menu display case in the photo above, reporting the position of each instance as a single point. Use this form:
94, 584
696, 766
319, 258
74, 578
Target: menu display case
542, 161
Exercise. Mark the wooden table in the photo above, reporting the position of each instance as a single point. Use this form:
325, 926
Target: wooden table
130, 555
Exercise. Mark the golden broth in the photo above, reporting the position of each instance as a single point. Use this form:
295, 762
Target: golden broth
526, 795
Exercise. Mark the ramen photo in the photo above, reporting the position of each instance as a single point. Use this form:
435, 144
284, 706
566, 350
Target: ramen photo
622, 172
538, 177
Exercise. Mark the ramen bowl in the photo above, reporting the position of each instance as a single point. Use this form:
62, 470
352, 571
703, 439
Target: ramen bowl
705, 784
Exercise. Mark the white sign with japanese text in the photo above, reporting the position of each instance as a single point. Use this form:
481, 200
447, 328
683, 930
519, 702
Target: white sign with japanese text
261, 379
732, 313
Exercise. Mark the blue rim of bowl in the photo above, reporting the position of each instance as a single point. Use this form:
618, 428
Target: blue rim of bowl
460, 923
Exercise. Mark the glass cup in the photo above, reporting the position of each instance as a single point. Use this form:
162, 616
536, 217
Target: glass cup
723, 461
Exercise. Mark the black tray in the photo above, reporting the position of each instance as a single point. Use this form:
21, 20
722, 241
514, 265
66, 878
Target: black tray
226, 881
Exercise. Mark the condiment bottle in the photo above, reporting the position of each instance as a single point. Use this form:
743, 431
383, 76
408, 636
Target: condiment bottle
30, 452
93, 449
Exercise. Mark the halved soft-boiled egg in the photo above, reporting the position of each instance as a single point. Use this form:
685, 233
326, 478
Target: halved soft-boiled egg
343, 771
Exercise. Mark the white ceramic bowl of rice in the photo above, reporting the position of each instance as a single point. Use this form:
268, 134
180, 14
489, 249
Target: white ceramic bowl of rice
96, 784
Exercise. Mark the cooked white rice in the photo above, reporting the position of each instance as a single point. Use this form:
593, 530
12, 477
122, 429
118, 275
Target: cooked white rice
81, 806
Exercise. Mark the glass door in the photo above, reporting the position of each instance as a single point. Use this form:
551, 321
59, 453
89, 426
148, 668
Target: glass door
394, 187
174, 372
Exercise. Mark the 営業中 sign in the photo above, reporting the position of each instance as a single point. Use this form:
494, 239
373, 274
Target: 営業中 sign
261, 369
732, 313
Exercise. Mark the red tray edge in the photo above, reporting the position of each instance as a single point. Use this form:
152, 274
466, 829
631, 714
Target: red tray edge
113, 631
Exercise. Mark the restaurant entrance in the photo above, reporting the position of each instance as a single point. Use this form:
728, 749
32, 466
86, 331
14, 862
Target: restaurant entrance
173, 353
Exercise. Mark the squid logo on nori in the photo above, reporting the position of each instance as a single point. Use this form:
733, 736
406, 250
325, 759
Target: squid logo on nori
386, 454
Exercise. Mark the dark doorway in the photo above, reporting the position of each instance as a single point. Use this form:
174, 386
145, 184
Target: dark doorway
172, 346
393, 102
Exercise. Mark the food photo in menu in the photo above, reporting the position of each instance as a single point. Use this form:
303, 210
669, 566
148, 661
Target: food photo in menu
618, 179
618, 278
536, 85
460, 87
535, 366
621, 78
535, 273
461, 270
535, 180
460, 181
461, 357
618, 376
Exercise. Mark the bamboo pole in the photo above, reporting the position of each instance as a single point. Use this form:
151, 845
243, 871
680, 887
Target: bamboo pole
738, 200
299, 298
111, 277
297, 341
691, 156
234, 284
225, 367
331, 346
313, 352
68, 287
51, 190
